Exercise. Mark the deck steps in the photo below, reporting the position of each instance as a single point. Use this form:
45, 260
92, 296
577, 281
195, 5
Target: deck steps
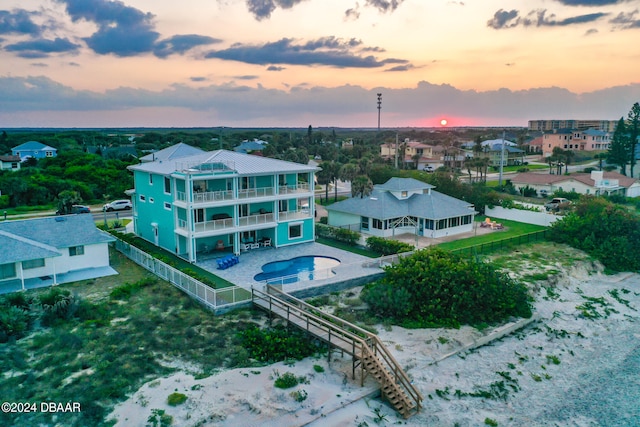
366, 349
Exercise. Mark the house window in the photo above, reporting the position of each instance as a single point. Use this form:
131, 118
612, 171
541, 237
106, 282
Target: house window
7, 271
283, 205
76, 250
295, 231
167, 206
167, 185
364, 222
48, 153
404, 194
14, 166
150, 179
376, 223
428, 224
33, 263
442, 224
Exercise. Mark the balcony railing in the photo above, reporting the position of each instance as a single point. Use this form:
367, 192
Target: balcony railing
200, 227
212, 196
302, 187
255, 192
289, 215
255, 219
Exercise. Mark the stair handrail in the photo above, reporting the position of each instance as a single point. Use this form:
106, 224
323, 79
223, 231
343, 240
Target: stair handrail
377, 347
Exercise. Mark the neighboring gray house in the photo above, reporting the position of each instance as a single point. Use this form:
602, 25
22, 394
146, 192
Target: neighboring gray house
597, 183
33, 149
403, 205
52, 250
8, 162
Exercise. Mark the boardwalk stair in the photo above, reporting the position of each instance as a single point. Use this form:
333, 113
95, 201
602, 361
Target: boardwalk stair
367, 351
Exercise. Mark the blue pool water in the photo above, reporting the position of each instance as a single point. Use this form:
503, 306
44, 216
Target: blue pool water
312, 267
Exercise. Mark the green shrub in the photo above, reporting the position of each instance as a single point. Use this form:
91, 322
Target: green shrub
57, 304
433, 287
340, 234
387, 246
176, 399
277, 343
15, 322
319, 369
159, 418
288, 380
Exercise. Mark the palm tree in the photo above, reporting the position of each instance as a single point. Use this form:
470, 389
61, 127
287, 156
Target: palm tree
348, 172
361, 186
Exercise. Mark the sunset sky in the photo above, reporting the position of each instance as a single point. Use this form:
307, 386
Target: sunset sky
295, 63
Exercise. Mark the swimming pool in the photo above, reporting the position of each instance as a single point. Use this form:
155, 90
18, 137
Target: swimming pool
311, 267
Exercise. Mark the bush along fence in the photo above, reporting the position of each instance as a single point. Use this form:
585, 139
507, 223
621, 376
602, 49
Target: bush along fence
484, 248
214, 299
340, 234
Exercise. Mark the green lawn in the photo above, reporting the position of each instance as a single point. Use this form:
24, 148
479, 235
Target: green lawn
512, 229
348, 248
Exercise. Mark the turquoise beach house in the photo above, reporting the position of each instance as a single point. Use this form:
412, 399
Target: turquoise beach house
201, 204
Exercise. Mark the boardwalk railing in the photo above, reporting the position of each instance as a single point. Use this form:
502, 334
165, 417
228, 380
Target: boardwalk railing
365, 347
212, 298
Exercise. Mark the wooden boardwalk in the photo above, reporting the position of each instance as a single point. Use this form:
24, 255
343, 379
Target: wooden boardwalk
367, 351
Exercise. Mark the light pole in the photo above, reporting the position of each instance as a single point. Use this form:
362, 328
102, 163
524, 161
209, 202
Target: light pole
379, 108
501, 160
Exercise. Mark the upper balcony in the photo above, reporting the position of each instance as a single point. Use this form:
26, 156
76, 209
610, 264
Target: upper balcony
301, 187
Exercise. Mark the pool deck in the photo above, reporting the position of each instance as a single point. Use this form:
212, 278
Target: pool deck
251, 262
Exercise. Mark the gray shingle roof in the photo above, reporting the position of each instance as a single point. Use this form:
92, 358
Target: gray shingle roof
242, 164
384, 205
404, 184
16, 249
45, 235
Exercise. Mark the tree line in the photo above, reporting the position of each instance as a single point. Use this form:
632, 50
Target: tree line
623, 148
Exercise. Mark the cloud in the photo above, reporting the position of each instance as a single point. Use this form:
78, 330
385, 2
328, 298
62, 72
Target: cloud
262, 9
405, 67
31, 99
504, 19
41, 48
180, 44
384, 5
352, 14
198, 79
126, 31
246, 77
275, 68
18, 22
330, 51
538, 18
626, 21
591, 2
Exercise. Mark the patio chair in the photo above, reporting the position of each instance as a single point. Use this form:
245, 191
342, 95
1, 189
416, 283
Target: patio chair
266, 242
255, 245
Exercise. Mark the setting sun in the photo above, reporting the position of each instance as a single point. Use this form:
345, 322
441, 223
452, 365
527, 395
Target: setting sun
443, 122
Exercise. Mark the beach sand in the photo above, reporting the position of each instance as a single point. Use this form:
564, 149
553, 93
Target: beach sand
576, 364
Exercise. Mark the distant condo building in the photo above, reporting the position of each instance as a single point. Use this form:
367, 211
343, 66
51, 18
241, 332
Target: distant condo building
549, 125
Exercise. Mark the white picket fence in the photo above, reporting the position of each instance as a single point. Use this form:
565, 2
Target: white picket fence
212, 298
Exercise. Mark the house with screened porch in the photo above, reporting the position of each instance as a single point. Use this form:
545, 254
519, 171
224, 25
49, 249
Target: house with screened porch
200, 204
403, 205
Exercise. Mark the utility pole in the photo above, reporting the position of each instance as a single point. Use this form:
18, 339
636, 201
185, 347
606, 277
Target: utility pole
396, 151
379, 108
501, 160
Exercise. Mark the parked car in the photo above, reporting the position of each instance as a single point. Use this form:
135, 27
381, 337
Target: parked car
428, 169
76, 209
557, 203
118, 205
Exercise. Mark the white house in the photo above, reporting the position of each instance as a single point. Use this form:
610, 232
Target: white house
403, 205
596, 183
52, 250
